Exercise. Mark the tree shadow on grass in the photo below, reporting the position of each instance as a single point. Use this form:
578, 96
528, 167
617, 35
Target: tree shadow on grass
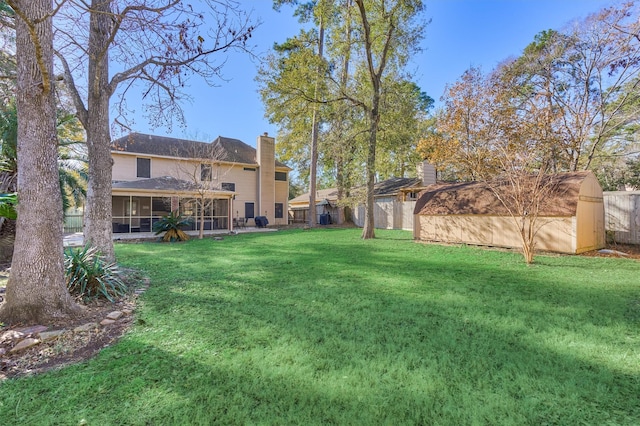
455, 342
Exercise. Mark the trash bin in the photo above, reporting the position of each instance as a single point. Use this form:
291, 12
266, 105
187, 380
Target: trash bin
324, 219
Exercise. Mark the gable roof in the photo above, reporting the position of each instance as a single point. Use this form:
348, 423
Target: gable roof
235, 151
478, 198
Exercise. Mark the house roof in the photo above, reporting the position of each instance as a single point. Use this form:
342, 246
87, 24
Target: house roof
479, 198
164, 183
235, 151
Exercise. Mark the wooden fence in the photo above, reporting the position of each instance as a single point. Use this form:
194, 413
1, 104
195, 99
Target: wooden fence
622, 216
388, 214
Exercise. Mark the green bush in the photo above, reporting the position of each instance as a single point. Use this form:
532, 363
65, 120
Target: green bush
172, 226
89, 276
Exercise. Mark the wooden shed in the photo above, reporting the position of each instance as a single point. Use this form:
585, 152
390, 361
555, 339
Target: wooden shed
571, 220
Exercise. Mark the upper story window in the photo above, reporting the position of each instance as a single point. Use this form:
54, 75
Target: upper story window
205, 172
249, 169
143, 167
228, 186
281, 176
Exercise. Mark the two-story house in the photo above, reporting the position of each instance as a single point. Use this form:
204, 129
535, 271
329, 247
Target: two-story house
230, 181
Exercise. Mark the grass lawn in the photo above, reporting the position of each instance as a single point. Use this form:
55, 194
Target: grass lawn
320, 327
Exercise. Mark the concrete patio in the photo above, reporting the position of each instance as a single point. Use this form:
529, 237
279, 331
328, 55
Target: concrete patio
77, 239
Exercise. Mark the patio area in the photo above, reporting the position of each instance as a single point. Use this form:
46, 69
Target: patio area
77, 239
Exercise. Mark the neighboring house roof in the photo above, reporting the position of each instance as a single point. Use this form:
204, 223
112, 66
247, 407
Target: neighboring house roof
478, 198
385, 188
393, 185
235, 151
330, 194
164, 183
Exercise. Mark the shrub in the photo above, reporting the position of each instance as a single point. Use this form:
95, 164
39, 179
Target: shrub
172, 226
89, 276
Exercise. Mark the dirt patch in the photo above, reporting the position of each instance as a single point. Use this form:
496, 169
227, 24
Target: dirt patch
71, 347
625, 251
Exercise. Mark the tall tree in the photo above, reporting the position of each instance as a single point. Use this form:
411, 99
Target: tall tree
465, 128
36, 290
586, 76
156, 45
389, 34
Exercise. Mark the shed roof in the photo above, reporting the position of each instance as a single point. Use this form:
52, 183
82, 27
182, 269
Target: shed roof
235, 150
479, 198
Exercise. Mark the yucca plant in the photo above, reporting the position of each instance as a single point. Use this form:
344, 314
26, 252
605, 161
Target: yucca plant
172, 226
89, 276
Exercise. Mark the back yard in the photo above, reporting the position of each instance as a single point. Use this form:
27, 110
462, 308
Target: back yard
321, 327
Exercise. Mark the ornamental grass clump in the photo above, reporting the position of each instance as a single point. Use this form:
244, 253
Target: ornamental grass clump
90, 277
172, 226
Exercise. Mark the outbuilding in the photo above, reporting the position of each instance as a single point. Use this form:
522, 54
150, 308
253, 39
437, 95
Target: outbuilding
570, 219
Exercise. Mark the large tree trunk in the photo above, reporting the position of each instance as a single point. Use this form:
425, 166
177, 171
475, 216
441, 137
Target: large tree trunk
97, 221
368, 231
36, 290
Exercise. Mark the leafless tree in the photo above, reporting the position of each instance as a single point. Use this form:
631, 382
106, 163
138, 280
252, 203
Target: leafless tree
152, 44
525, 189
201, 164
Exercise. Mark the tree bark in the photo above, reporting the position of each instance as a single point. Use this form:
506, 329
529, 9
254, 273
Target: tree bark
368, 231
36, 290
98, 230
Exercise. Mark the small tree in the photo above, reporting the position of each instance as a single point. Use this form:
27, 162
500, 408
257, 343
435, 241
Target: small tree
200, 164
524, 195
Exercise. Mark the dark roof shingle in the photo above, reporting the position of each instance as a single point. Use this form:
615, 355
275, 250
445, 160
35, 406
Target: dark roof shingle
235, 150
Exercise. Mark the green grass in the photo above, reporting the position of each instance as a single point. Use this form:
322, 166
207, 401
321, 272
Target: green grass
320, 327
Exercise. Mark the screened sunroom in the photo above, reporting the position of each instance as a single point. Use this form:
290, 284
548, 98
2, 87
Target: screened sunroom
137, 205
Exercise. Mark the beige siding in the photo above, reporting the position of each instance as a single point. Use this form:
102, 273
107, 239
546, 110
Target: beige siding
282, 195
124, 167
267, 179
590, 216
554, 234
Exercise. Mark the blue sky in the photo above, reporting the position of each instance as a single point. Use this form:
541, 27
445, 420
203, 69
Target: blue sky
462, 33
